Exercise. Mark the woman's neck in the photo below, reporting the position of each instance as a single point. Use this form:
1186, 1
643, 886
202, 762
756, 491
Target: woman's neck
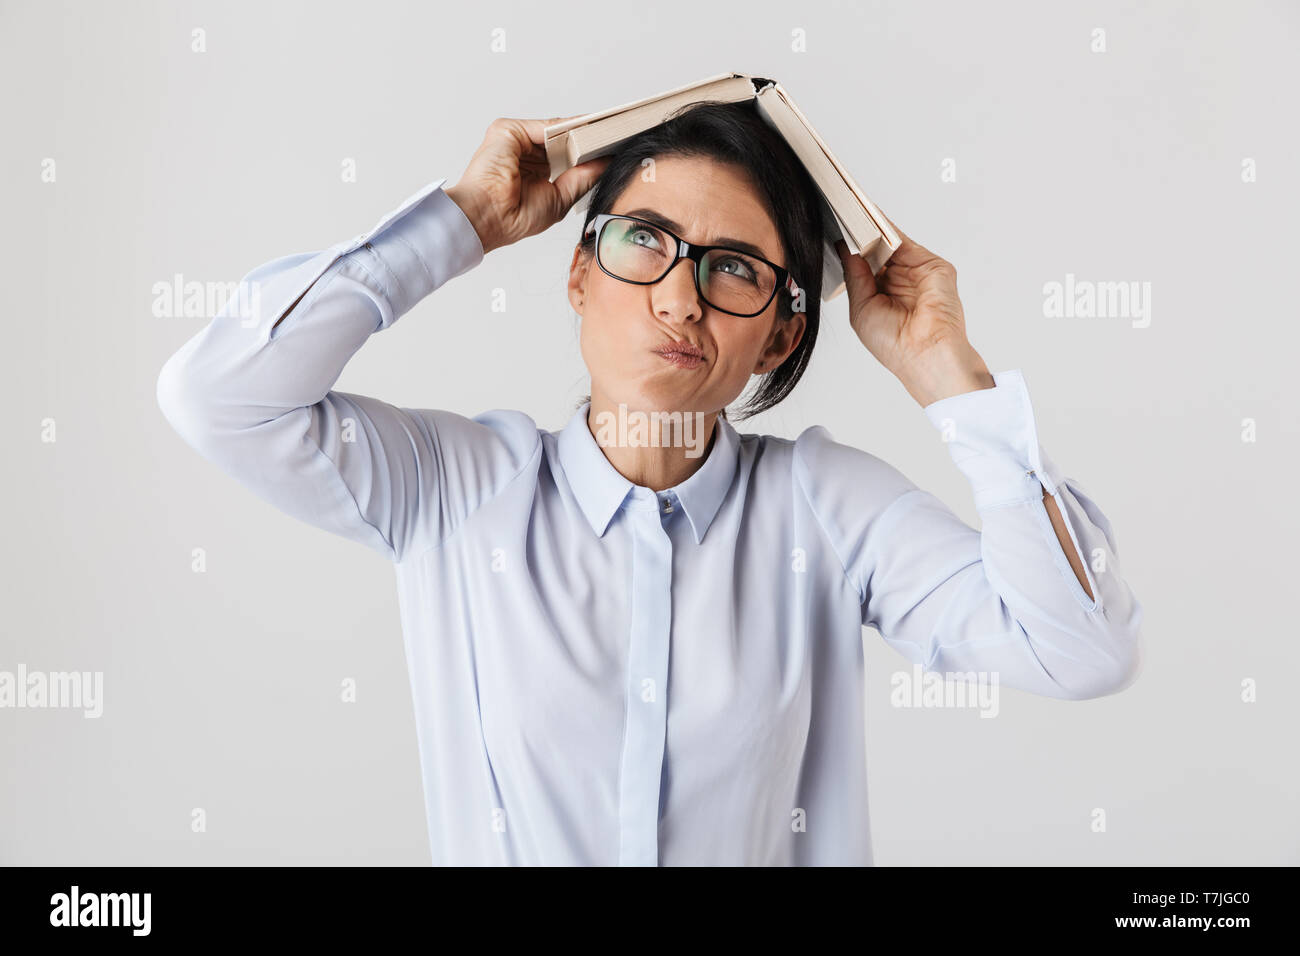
654, 449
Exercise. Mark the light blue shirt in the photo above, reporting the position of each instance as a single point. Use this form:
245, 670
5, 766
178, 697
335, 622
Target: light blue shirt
602, 674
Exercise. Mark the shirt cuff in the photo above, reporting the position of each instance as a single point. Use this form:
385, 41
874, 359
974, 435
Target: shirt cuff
424, 242
992, 438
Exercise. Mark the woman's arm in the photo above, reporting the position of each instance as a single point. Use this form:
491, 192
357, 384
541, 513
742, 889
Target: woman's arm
953, 368
1016, 598
1063, 539
253, 391
1003, 600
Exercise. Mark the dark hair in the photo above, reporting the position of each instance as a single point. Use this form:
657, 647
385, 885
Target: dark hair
735, 133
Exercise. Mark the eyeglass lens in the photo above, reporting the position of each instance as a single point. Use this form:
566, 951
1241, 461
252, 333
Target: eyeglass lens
729, 279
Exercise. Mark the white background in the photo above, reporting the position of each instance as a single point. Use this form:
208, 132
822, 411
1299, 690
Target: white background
222, 688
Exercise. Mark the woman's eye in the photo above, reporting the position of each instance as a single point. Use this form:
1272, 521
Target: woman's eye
737, 268
651, 238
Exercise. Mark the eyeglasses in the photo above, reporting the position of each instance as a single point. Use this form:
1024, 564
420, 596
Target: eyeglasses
729, 280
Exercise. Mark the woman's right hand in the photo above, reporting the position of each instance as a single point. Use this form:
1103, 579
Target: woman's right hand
506, 192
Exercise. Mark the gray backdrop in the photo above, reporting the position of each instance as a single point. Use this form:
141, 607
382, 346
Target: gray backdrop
1167, 158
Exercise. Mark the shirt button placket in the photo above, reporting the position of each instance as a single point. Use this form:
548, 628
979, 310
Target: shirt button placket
647, 687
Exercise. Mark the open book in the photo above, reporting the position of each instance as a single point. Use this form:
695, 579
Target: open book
846, 211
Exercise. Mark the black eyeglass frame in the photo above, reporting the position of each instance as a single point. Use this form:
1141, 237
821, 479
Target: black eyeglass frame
686, 250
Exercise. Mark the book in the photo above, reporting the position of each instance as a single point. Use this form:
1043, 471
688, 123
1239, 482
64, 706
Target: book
847, 213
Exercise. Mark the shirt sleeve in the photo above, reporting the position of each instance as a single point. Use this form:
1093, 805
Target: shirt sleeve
1002, 600
252, 391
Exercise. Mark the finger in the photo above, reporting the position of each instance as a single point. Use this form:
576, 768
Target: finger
909, 250
859, 281
572, 184
911, 253
536, 129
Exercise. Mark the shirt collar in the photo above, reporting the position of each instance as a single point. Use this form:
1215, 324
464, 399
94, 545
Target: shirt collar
600, 490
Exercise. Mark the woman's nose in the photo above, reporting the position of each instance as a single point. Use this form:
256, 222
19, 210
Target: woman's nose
675, 294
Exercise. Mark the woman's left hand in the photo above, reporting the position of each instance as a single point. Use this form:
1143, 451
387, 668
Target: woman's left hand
910, 318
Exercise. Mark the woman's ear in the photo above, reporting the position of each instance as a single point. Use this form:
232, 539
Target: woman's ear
578, 279
785, 338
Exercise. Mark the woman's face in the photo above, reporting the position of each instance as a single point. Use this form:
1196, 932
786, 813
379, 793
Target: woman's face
623, 324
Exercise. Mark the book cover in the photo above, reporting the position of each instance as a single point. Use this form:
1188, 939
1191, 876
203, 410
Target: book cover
847, 212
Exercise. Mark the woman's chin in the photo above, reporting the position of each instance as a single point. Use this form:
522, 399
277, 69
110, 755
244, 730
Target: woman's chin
658, 397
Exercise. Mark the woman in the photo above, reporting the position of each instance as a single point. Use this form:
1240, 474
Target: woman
630, 652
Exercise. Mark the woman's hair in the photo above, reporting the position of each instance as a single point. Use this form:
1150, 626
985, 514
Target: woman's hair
735, 133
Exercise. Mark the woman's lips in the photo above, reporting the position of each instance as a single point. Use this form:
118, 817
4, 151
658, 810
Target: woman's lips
681, 359
681, 354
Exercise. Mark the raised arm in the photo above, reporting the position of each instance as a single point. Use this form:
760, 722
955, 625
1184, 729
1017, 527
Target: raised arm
1002, 600
1037, 595
253, 391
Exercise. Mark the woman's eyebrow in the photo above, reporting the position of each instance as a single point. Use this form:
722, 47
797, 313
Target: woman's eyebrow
649, 215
